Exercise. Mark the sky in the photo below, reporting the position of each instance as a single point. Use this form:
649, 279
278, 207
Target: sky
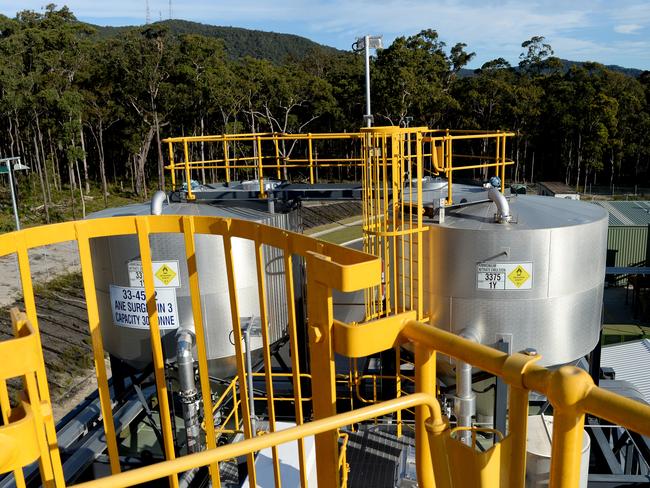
610, 32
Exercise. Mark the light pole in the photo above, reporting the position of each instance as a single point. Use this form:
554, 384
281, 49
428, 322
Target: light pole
9, 169
367, 43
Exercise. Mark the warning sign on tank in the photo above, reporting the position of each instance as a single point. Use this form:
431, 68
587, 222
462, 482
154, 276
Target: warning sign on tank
165, 274
519, 276
504, 276
129, 306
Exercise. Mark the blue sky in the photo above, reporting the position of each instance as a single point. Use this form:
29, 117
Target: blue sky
610, 32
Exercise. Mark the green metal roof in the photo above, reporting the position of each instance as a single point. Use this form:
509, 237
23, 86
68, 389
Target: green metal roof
627, 213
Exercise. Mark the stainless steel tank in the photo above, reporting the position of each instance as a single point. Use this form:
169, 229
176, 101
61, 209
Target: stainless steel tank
117, 268
536, 282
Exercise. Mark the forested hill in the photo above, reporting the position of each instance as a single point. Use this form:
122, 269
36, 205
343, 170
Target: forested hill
87, 110
238, 42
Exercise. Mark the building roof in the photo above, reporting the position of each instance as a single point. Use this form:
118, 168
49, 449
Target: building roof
558, 187
621, 213
631, 362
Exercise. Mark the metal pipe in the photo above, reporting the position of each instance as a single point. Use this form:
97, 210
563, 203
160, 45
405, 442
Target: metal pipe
368, 112
157, 201
465, 400
13, 193
503, 207
249, 374
188, 392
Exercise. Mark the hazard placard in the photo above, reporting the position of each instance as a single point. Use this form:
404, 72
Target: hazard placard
504, 276
129, 307
165, 274
519, 276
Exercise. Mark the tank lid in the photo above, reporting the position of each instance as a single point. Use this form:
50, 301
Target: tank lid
528, 212
184, 209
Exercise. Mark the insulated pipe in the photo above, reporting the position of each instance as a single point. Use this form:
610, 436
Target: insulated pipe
465, 400
157, 201
503, 207
188, 393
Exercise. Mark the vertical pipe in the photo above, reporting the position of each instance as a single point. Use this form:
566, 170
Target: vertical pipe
188, 392
366, 42
294, 348
268, 374
142, 226
249, 377
13, 193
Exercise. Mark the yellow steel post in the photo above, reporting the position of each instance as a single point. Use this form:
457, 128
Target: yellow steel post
172, 168
503, 161
398, 387
142, 226
268, 372
425, 382
420, 210
517, 430
568, 386
226, 159
260, 166
188, 174
449, 167
97, 344
54, 458
497, 159
321, 316
277, 157
311, 160
197, 315
295, 353
5, 406
237, 337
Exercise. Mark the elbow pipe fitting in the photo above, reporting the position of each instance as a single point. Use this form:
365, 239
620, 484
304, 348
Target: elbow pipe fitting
157, 201
503, 207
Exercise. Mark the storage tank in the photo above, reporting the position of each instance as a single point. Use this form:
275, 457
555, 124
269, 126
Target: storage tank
535, 281
118, 279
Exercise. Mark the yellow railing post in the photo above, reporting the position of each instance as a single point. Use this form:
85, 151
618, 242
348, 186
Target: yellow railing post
260, 166
321, 316
142, 226
311, 160
188, 174
425, 382
172, 168
277, 157
226, 159
568, 387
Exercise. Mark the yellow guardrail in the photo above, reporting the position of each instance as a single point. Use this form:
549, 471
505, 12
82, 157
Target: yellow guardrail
349, 268
227, 157
261, 154
441, 460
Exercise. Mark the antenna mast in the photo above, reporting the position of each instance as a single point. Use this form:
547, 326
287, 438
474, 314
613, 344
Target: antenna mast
147, 13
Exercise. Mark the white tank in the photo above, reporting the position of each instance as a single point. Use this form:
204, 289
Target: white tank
536, 282
117, 268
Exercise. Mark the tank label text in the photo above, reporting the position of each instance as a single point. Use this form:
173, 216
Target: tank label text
129, 306
165, 274
504, 276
